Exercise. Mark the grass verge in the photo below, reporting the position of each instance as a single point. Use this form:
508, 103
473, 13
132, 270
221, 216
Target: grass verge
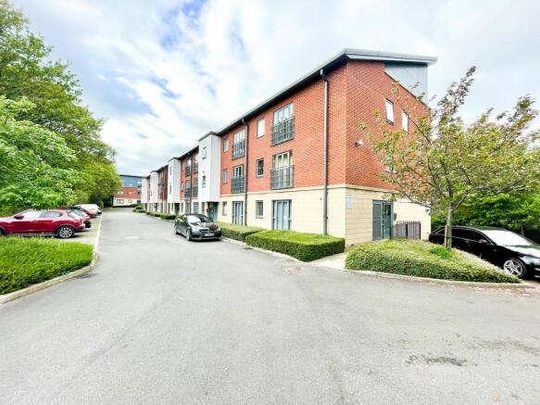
424, 259
27, 261
303, 246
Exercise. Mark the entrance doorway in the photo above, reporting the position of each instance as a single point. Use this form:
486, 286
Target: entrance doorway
382, 220
238, 212
281, 214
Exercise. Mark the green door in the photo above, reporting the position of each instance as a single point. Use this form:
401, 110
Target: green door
382, 220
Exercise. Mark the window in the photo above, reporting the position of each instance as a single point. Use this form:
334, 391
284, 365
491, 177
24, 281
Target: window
389, 111
238, 213
259, 209
282, 171
170, 188
195, 207
203, 181
281, 214
224, 208
405, 121
225, 144
204, 152
237, 180
259, 167
238, 171
239, 144
50, 214
283, 126
31, 214
260, 128
225, 176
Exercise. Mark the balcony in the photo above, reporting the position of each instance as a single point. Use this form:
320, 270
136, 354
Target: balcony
283, 131
238, 184
195, 190
282, 178
195, 168
187, 192
188, 170
239, 149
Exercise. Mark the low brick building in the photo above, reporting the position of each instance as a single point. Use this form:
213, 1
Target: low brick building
302, 160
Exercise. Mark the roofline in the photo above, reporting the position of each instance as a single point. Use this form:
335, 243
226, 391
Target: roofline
130, 175
207, 134
342, 57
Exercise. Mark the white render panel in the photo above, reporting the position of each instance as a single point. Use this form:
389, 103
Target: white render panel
144, 190
153, 187
173, 181
210, 168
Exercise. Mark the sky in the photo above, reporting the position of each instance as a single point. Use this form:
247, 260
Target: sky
162, 73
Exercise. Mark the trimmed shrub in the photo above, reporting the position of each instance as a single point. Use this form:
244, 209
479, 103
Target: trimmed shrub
237, 232
27, 261
167, 216
303, 246
424, 259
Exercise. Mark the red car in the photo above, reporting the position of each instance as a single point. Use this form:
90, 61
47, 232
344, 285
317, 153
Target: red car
53, 222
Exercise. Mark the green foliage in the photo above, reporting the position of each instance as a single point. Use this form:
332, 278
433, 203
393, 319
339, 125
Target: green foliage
303, 246
167, 216
445, 163
27, 261
423, 259
48, 108
237, 232
35, 163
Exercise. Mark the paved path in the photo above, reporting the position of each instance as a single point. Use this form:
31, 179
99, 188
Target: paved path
164, 320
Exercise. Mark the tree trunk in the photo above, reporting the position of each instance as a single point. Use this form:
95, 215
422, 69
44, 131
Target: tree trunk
448, 228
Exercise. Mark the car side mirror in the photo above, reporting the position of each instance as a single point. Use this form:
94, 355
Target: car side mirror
483, 242
18, 216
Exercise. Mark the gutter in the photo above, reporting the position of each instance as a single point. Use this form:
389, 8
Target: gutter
325, 155
246, 171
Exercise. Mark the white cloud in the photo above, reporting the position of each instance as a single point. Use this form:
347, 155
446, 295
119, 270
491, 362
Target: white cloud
165, 72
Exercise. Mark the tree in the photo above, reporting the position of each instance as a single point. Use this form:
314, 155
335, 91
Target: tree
28, 70
34, 162
444, 162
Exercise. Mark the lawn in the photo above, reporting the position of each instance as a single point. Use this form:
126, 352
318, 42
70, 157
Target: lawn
27, 261
424, 259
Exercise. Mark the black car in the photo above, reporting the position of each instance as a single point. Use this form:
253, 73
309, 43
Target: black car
508, 250
196, 226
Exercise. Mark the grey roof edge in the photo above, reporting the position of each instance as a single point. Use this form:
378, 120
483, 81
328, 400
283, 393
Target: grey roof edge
343, 55
131, 175
207, 134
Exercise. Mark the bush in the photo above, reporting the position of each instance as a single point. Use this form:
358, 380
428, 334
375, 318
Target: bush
27, 261
303, 246
423, 259
167, 216
237, 232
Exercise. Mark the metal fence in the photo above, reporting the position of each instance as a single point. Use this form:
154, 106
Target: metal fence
407, 230
281, 178
237, 184
283, 131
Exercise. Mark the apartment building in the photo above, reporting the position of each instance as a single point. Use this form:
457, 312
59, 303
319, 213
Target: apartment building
302, 160
130, 193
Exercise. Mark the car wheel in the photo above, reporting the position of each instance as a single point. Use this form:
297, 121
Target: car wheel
65, 232
516, 267
176, 230
188, 235
2, 233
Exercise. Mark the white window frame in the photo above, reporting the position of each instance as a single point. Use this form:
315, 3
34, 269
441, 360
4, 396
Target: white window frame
203, 181
389, 109
225, 144
261, 124
405, 121
224, 176
259, 203
257, 167
224, 208
284, 113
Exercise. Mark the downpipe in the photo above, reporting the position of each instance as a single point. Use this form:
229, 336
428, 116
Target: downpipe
325, 155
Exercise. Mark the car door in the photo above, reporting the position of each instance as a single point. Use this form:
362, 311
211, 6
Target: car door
26, 223
459, 240
182, 224
46, 221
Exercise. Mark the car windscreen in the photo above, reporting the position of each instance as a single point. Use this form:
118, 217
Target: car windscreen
75, 214
507, 238
197, 219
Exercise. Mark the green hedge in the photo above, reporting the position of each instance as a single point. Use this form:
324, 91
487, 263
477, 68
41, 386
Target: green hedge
423, 259
303, 246
237, 232
27, 261
167, 216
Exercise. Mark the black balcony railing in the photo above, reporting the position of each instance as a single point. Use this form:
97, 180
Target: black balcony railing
187, 192
238, 184
195, 190
188, 170
195, 168
283, 131
239, 149
282, 178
